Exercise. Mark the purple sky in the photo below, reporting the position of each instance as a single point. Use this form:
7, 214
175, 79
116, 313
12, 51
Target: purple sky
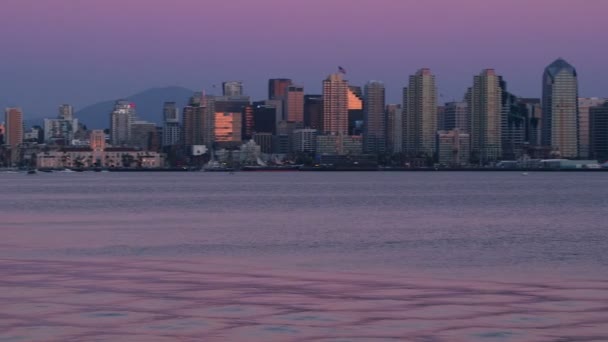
80, 52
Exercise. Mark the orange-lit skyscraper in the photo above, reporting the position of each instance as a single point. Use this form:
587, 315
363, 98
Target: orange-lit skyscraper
335, 104
294, 104
14, 126
97, 140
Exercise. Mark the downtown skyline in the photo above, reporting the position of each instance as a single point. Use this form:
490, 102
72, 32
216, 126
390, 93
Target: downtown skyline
64, 52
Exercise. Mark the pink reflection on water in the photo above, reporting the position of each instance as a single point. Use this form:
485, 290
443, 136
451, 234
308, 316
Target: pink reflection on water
218, 299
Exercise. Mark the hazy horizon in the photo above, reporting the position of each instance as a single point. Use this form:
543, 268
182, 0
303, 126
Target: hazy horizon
68, 51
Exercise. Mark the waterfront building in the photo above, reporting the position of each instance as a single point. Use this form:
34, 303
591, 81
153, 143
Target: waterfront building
484, 100
512, 124
420, 114
228, 127
560, 125
335, 104
294, 104
374, 136
232, 88
13, 118
394, 128
598, 132
171, 125
97, 140
453, 148
339, 144
277, 88
264, 140
85, 157
584, 104
264, 117
121, 119
304, 140
193, 118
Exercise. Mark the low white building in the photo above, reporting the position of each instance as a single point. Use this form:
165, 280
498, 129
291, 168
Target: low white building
109, 158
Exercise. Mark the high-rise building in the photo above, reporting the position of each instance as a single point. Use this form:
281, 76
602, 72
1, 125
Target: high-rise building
277, 88
264, 118
228, 128
60, 131
171, 127
560, 109
456, 116
355, 110
335, 105
193, 118
294, 104
485, 108
394, 128
13, 126
264, 140
143, 133
598, 132
420, 114
66, 112
121, 119
304, 140
374, 136
453, 147
512, 124
313, 112
248, 123
534, 115
232, 88
97, 140
584, 104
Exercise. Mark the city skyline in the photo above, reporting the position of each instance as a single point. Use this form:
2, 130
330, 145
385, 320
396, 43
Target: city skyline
75, 60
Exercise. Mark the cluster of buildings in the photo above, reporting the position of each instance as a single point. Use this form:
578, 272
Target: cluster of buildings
490, 124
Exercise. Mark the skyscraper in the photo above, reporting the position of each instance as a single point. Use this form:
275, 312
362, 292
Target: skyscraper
512, 124
485, 108
355, 110
584, 104
294, 104
313, 112
194, 121
277, 88
394, 128
335, 104
598, 133
420, 114
232, 88
374, 136
560, 125
14, 126
456, 116
171, 128
97, 140
66, 112
121, 119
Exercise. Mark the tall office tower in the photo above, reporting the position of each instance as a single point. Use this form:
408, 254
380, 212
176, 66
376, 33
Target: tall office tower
374, 136
584, 103
294, 104
248, 123
598, 132
13, 126
192, 121
121, 119
228, 118
66, 112
335, 105
355, 110
485, 108
2, 133
313, 112
456, 116
97, 140
171, 128
394, 128
560, 109
533, 110
512, 124
277, 88
440, 118
232, 88
264, 117
420, 114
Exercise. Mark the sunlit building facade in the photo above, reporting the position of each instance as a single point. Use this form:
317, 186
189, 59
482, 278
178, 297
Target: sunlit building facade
335, 104
420, 114
484, 101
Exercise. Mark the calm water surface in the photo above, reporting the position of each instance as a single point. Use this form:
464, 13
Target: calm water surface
304, 257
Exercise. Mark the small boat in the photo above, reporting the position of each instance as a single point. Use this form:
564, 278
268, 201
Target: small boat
524, 173
31, 172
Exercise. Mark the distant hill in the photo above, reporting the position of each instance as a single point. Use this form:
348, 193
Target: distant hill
149, 106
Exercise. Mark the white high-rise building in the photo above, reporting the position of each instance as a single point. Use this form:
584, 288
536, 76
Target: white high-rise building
121, 119
171, 126
484, 101
420, 114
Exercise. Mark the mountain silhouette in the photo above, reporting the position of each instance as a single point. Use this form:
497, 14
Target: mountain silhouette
149, 106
